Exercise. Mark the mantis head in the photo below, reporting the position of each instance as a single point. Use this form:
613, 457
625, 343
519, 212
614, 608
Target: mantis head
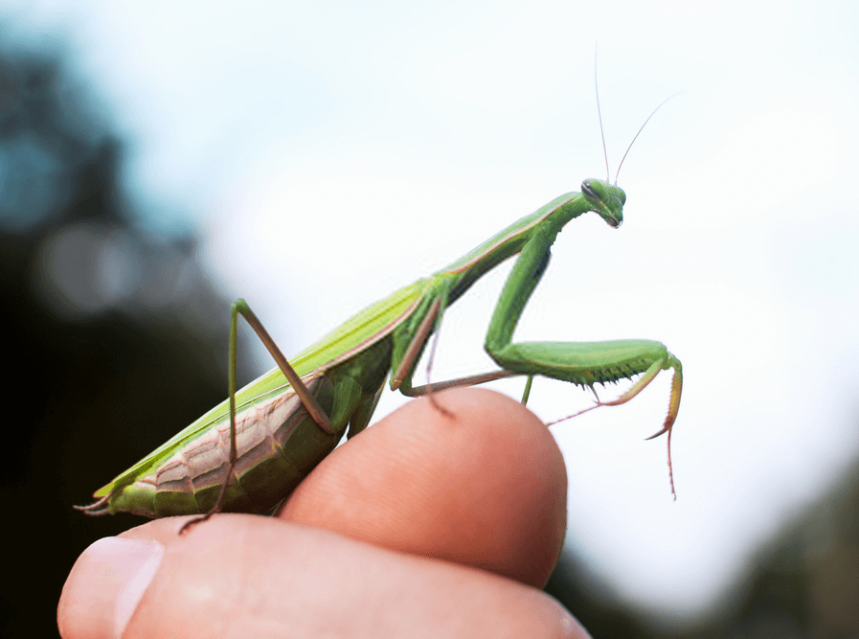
607, 200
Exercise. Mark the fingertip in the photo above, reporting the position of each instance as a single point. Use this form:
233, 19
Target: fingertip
486, 488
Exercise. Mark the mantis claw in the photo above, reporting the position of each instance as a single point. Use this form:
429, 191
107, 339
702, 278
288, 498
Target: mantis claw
199, 519
439, 407
665, 429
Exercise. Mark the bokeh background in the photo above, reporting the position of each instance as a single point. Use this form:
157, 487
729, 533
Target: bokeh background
160, 159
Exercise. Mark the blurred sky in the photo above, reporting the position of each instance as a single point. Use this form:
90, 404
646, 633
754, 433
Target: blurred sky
330, 152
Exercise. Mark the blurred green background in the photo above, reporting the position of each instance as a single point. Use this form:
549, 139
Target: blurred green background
147, 152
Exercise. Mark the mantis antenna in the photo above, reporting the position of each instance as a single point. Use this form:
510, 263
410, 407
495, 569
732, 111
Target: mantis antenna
599, 114
637, 134
602, 131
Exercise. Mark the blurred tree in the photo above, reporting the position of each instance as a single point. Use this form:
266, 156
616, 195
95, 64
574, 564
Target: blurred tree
113, 339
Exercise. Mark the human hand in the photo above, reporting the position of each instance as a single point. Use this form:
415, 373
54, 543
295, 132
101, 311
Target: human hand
423, 526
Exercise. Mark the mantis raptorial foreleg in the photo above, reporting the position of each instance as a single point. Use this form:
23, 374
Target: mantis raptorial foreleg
583, 363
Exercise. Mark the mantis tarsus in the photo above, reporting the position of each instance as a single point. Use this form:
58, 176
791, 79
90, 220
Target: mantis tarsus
252, 450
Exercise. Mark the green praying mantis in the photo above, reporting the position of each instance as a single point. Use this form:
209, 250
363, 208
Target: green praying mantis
249, 452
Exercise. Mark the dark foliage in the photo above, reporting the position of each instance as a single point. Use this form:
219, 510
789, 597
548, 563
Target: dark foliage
109, 341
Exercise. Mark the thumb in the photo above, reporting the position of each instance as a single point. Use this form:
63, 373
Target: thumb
246, 576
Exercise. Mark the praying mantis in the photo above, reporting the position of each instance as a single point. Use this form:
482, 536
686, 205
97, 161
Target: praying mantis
249, 452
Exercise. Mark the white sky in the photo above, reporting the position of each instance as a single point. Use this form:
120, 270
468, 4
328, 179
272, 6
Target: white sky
330, 152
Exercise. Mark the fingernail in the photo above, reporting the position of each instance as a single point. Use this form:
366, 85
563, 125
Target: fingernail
105, 586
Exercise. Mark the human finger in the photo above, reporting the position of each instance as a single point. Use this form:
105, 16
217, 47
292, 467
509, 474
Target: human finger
482, 484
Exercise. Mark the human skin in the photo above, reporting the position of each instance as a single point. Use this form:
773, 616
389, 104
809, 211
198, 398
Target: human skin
425, 525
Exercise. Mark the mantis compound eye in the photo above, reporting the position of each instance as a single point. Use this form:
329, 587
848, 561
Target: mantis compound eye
589, 190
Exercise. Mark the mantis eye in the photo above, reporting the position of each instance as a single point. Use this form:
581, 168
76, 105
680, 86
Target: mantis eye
588, 190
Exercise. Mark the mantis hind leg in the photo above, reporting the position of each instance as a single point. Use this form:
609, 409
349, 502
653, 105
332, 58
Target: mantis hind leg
240, 307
